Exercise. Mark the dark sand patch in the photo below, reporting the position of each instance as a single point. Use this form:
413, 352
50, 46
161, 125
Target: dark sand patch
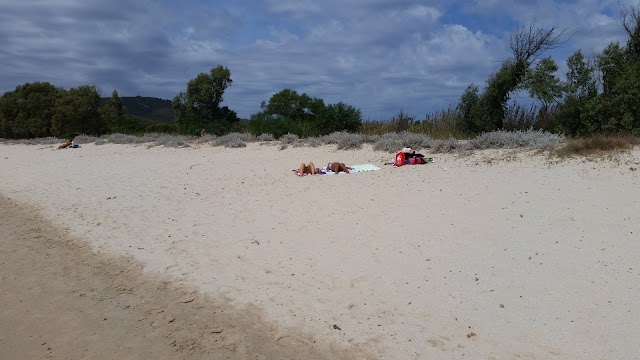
62, 300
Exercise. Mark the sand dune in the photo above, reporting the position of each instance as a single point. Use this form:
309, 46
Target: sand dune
514, 258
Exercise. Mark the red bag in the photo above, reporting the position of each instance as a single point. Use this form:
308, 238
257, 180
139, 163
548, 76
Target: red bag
399, 159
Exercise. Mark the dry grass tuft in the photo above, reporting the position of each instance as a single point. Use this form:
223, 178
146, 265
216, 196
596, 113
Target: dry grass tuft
597, 145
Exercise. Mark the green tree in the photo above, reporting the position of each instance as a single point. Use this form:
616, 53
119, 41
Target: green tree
297, 113
340, 117
77, 112
8, 114
490, 111
631, 24
297, 107
26, 112
290, 112
580, 110
199, 106
542, 82
580, 79
113, 113
617, 108
618, 105
261, 123
611, 64
623, 103
468, 106
527, 44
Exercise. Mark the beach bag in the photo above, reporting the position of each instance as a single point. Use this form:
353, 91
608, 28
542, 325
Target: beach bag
412, 161
399, 159
419, 160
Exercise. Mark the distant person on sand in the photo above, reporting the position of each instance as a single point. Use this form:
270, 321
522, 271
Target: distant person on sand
202, 132
68, 144
307, 169
336, 167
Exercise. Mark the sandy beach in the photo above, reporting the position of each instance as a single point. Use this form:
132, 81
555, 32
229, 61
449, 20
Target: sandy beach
494, 255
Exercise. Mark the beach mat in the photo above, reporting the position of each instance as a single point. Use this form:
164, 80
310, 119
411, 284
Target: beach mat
354, 169
365, 167
357, 169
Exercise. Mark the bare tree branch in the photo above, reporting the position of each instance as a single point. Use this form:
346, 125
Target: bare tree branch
630, 17
528, 43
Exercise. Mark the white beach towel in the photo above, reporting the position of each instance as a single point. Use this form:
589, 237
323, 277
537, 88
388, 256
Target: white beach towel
365, 167
354, 169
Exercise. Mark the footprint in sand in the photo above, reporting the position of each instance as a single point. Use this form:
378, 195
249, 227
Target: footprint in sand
438, 344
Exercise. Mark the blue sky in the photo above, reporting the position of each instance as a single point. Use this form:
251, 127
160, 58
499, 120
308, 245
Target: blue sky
379, 56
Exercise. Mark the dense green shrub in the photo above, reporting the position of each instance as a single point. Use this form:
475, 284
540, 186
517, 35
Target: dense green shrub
27, 111
290, 112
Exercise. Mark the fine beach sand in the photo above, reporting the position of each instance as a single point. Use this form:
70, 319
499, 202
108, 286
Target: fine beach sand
122, 251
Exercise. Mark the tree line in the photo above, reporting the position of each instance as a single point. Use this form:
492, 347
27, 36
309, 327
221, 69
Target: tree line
599, 95
41, 109
286, 112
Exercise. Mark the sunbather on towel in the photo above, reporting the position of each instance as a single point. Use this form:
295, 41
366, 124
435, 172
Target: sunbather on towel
336, 167
307, 169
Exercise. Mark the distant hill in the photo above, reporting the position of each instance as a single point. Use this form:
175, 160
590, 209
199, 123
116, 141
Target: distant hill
147, 108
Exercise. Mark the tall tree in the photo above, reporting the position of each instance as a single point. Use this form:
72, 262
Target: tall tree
113, 113
580, 78
290, 112
527, 45
8, 114
77, 112
631, 23
467, 107
341, 117
26, 112
199, 106
575, 114
542, 82
611, 63
291, 105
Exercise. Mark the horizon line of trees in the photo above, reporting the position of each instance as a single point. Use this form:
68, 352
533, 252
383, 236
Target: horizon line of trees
41, 109
286, 112
599, 95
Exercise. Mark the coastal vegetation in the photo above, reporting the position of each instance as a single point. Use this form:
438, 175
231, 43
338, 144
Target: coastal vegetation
598, 97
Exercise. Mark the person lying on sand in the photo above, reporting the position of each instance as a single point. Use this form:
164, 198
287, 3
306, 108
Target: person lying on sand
307, 169
336, 167
66, 144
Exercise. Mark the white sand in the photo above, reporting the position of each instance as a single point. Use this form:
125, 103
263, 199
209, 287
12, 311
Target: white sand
537, 260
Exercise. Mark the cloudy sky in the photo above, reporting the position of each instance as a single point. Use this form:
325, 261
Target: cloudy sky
381, 56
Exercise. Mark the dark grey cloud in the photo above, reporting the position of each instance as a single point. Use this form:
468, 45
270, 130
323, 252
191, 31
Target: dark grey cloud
381, 56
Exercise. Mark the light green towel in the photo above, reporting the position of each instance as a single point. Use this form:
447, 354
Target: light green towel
365, 167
